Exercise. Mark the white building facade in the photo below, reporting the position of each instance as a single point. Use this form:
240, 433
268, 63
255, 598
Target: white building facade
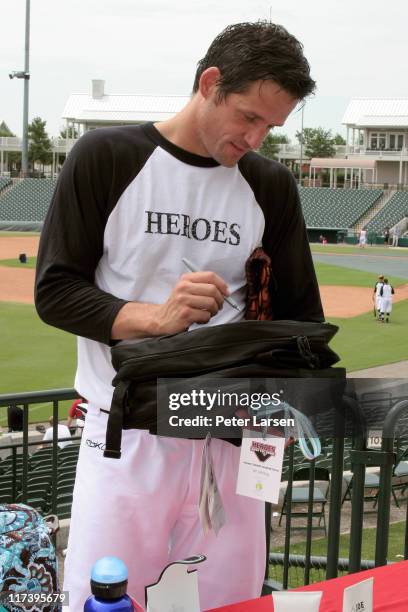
83, 112
377, 129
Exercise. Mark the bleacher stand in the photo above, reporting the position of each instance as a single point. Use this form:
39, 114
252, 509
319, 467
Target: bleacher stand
39, 484
4, 182
336, 208
26, 204
395, 210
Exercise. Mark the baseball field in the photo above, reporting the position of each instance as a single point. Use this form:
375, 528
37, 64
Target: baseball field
35, 356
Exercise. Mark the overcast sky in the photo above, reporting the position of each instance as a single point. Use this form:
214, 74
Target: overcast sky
355, 48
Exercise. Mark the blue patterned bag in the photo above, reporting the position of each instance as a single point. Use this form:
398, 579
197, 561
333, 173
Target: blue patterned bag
28, 563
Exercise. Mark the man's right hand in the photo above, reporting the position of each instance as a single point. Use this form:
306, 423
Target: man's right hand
196, 298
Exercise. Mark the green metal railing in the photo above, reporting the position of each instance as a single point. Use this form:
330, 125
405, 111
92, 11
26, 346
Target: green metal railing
360, 455
25, 400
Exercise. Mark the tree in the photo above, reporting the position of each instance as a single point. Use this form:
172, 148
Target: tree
72, 133
339, 140
270, 146
318, 142
5, 130
13, 158
39, 147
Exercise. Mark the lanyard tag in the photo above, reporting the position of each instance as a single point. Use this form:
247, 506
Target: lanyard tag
211, 509
260, 466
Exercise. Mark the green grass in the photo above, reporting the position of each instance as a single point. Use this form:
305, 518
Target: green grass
356, 250
362, 342
319, 549
34, 356
327, 274
15, 263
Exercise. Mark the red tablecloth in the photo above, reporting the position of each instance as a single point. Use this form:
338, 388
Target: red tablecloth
390, 591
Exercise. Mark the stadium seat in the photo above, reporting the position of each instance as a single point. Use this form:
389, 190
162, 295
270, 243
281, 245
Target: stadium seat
5, 489
36, 498
27, 201
7, 463
6, 497
43, 452
335, 208
69, 464
4, 182
68, 455
40, 480
371, 487
66, 477
394, 211
64, 510
300, 496
42, 464
65, 489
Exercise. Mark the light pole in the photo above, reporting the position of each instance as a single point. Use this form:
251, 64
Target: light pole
25, 74
301, 146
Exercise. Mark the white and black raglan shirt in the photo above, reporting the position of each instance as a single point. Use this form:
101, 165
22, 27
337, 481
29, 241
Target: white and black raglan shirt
387, 291
377, 288
129, 205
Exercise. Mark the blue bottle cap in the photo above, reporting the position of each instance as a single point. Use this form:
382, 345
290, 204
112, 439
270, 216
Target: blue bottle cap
109, 570
109, 578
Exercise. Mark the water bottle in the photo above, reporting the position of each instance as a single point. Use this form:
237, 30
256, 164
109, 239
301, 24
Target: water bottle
109, 580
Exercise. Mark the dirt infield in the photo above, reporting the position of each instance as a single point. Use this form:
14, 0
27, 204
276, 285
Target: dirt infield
347, 302
17, 285
12, 246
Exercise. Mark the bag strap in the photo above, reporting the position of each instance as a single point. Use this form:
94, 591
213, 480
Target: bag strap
115, 421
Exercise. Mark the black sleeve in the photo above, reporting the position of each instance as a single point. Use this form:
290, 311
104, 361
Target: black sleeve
381, 291
392, 291
294, 289
94, 175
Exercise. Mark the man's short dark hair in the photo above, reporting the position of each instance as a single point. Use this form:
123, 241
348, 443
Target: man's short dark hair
248, 52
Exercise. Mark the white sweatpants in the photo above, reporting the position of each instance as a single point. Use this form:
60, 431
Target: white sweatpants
143, 508
386, 305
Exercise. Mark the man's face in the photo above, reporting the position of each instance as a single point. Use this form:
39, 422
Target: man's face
239, 123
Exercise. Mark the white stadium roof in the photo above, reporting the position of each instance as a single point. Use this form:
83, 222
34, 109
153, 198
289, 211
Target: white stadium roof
84, 108
377, 112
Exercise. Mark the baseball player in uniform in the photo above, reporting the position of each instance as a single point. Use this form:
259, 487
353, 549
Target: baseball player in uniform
377, 296
130, 203
362, 241
386, 293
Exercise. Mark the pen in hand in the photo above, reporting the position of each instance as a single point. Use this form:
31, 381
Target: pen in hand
193, 268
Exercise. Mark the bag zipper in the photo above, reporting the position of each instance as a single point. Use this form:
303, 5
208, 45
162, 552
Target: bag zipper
302, 341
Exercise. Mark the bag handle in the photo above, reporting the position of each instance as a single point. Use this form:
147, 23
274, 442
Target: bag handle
115, 421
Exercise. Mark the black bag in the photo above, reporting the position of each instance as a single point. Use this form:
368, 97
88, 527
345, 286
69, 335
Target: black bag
249, 349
